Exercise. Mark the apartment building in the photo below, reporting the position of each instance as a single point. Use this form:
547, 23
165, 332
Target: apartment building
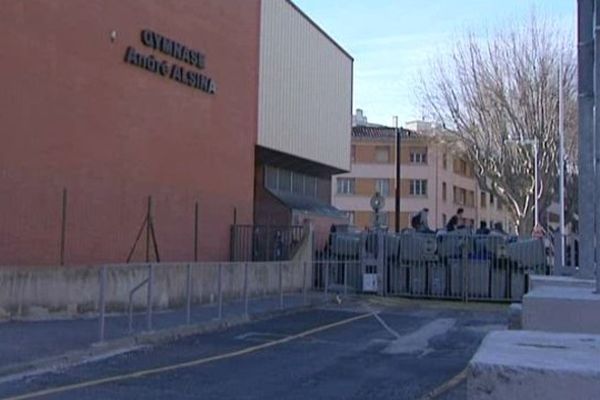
433, 175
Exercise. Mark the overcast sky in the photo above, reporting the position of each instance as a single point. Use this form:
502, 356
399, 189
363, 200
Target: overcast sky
393, 41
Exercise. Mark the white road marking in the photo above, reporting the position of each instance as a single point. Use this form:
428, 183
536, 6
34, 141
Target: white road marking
418, 341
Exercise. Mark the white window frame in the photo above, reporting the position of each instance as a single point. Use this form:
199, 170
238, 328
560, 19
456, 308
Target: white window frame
418, 157
346, 186
383, 187
418, 187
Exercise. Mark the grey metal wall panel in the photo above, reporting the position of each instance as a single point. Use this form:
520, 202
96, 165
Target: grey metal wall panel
305, 88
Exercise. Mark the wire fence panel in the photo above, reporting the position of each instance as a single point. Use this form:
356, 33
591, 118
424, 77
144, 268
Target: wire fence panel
265, 243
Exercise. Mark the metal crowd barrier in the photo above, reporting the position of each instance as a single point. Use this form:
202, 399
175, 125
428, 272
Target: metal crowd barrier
456, 265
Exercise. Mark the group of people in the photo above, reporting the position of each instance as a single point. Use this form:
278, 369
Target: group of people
419, 223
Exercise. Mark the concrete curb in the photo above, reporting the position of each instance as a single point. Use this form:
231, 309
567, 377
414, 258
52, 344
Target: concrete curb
110, 348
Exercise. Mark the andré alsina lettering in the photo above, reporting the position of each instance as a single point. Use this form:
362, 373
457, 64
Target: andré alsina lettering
169, 47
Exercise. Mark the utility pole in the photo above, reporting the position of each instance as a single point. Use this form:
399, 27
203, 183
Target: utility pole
561, 164
397, 205
536, 216
585, 90
596, 133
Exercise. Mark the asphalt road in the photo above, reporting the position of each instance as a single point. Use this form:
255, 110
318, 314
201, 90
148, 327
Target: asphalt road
333, 353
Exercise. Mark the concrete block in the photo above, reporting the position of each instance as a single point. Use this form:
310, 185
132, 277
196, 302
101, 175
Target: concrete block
562, 309
535, 365
537, 281
515, 315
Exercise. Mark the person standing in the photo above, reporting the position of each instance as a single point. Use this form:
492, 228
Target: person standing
483, 229
499, 229
419, 221
456, 222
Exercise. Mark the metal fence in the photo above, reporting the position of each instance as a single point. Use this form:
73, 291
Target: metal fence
457, 266
159, 296
265, 243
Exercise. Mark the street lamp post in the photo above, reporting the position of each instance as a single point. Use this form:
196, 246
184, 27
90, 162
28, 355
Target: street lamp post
561, 165
534, 144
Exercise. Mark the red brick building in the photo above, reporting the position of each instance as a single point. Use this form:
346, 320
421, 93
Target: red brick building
116, 101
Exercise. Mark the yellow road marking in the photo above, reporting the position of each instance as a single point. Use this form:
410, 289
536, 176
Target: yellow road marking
187, 364
449, 384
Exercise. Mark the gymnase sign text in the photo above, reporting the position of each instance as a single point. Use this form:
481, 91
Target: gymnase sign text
173, 71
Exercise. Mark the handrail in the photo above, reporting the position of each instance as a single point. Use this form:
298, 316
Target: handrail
130, 307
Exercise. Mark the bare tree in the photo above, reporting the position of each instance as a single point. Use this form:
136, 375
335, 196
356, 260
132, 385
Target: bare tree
506, 87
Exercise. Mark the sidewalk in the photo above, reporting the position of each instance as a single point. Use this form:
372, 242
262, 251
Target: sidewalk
23, 343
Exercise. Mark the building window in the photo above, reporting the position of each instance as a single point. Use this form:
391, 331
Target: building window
345, 185
491, 199
418, 156
382, 154
418, 187
270, 177
444, 196
460, 195
460, 167
500, 207
444, 219
445, 161
285, 180
482, 200
324, 189
353, 153
470, 198
383, 187
310, 186
297, 183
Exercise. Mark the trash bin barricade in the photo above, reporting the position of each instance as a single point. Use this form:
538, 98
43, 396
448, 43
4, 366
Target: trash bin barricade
336, 262
455, 265
414, 266
526, 257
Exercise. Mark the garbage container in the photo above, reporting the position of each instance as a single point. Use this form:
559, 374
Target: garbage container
477, 278
437, 279
370, 279
397, 277
418, 279
499, 279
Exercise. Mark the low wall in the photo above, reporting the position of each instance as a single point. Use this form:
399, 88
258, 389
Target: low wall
54, 291
535, 365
